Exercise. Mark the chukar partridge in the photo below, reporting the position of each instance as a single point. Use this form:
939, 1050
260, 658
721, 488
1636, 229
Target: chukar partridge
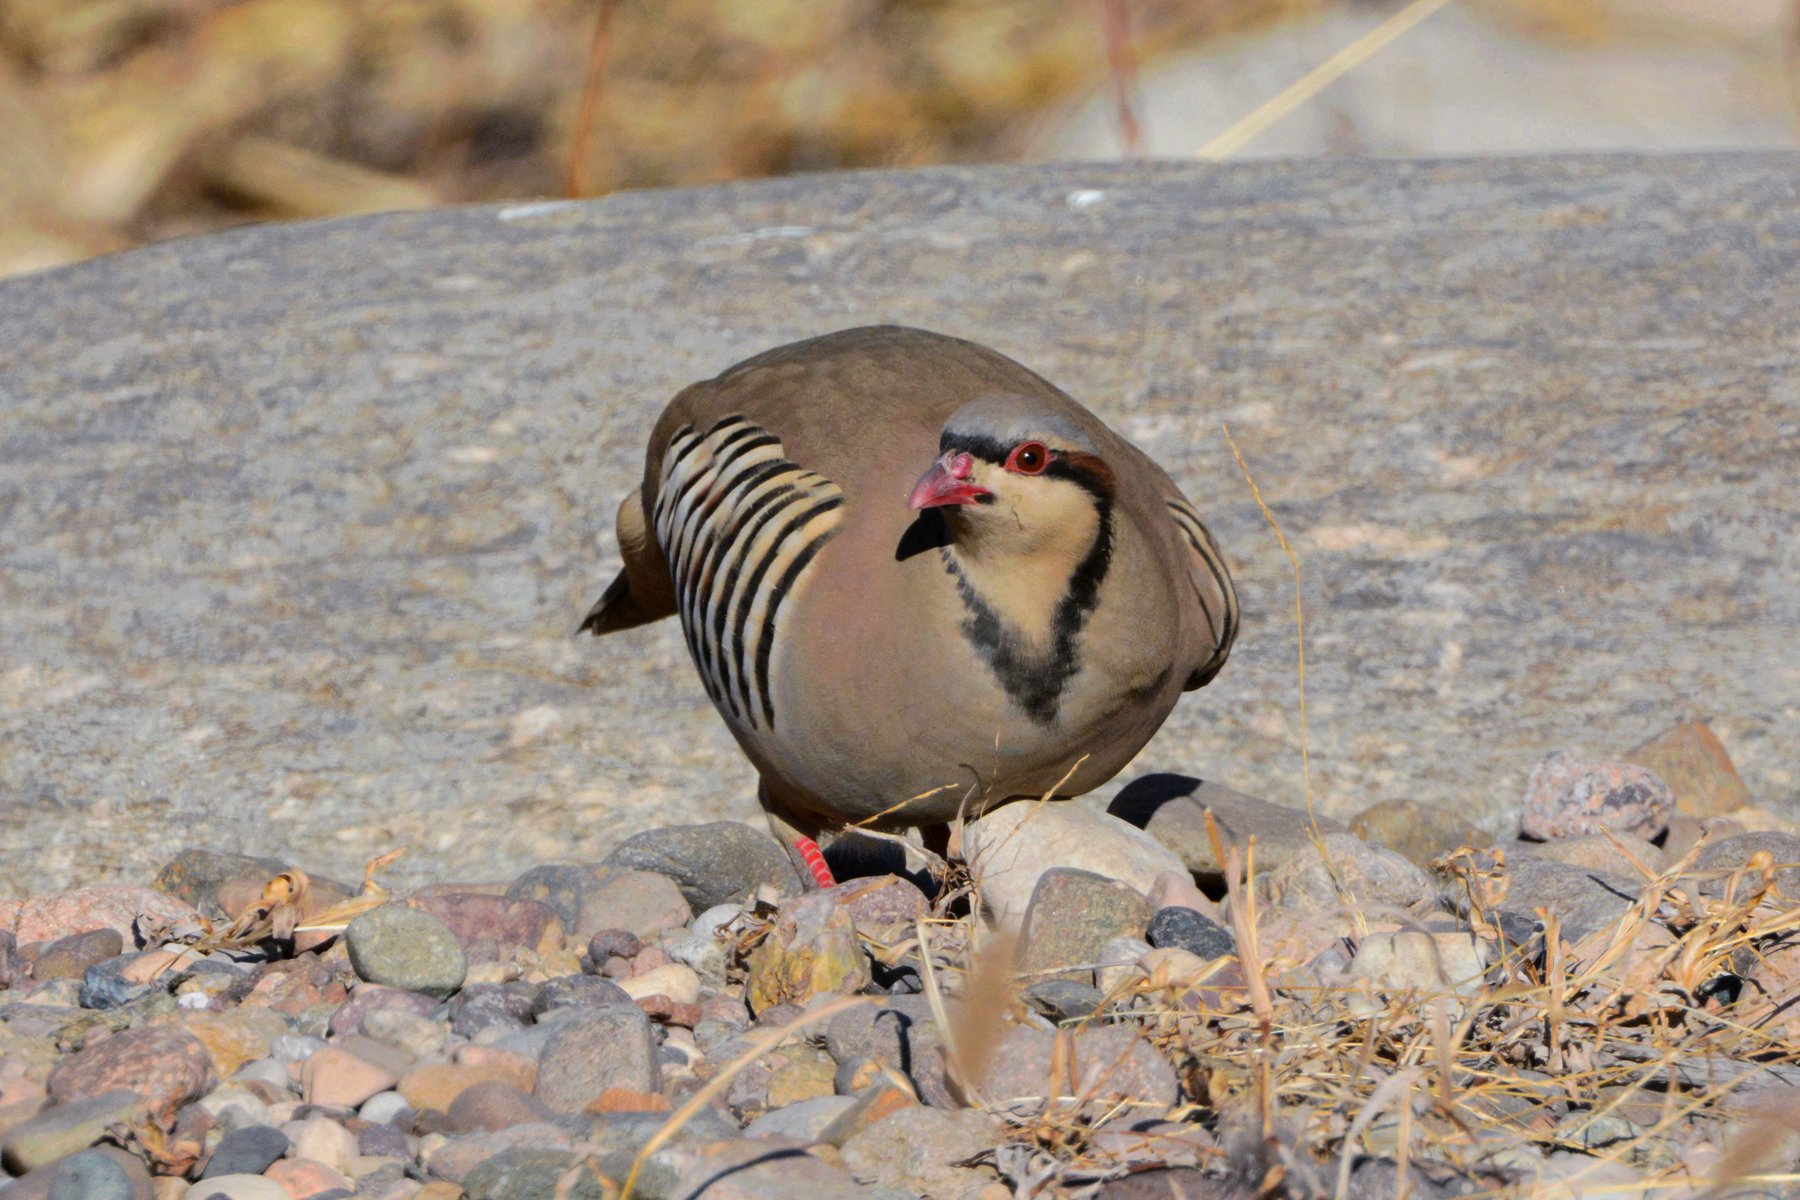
916, 578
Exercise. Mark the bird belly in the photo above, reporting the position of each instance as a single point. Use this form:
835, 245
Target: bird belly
878, 745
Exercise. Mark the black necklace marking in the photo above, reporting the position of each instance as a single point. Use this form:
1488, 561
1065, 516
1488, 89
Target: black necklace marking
1035, 681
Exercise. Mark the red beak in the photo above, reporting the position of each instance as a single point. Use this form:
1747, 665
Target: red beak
947, 483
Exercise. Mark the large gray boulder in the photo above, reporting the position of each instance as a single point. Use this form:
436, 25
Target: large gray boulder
296, 521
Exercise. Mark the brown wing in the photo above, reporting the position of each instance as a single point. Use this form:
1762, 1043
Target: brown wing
1211, 580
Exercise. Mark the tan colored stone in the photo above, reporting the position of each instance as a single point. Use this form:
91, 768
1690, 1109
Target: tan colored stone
304, 1178
1693, 762
1012, 846
808, 1073
322, 1140
520, 1070
437, 1085
70, 957
1611, 853
234, 1037
158, 964
336, 1078
674, 980
625, 1100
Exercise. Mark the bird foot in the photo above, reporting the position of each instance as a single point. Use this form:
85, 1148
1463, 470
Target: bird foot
814, 858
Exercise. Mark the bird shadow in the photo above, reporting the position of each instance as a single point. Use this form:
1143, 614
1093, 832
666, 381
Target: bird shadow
1138, 800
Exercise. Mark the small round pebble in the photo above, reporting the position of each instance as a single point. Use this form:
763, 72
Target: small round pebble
91, 1175
384, 1108
105, 985
247, 1151
482, 1006
237, 1187
406, 948
610, 942
577, 991
1569, 795
383, 1141
1185, 929
1063, 999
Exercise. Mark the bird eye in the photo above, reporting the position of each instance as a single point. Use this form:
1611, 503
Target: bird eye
1028, 458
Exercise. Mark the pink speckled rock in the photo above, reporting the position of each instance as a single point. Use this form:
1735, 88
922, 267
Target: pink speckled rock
111, 906
1569, 795
164, 1065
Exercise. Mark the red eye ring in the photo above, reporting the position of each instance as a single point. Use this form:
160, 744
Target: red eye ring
1028, 458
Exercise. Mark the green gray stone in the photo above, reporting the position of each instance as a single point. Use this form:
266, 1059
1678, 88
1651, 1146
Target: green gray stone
711, 863
406, 948
91, 1175
65, 1129
1418, 830
1072, 916
528, 1174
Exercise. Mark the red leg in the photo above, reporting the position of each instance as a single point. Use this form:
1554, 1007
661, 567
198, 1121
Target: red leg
815, 861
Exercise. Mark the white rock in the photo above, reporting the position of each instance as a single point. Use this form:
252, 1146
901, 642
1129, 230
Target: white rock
266, 1070
1424, 966
383, 1107
708, 923
674, 980
1119, 961
1015, 844
323, 1139
236, 1107
237, 1187
703, 954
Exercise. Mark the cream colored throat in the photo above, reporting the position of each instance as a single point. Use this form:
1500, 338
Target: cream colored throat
1024, 591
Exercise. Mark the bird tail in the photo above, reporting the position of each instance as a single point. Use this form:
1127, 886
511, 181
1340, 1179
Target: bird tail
640, 593
616, 609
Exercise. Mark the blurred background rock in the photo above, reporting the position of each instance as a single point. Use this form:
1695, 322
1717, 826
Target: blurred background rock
127, 121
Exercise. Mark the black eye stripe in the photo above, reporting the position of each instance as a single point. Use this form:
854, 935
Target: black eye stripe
985, 448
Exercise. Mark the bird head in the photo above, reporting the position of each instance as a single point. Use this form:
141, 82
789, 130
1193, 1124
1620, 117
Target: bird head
1016, 474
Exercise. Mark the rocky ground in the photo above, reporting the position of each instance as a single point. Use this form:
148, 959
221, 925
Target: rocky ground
1398, 1008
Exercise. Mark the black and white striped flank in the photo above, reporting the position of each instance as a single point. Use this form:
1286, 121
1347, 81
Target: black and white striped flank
739, 523
1200, 540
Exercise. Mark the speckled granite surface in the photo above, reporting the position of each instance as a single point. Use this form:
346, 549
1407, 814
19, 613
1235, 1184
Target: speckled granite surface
295, 522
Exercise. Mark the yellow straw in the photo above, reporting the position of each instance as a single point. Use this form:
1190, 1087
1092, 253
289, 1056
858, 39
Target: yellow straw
1317, 80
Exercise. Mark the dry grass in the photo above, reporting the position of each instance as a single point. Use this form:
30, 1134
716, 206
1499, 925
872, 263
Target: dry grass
1297, 1073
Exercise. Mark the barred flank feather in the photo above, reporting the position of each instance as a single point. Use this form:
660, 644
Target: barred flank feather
739, 523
